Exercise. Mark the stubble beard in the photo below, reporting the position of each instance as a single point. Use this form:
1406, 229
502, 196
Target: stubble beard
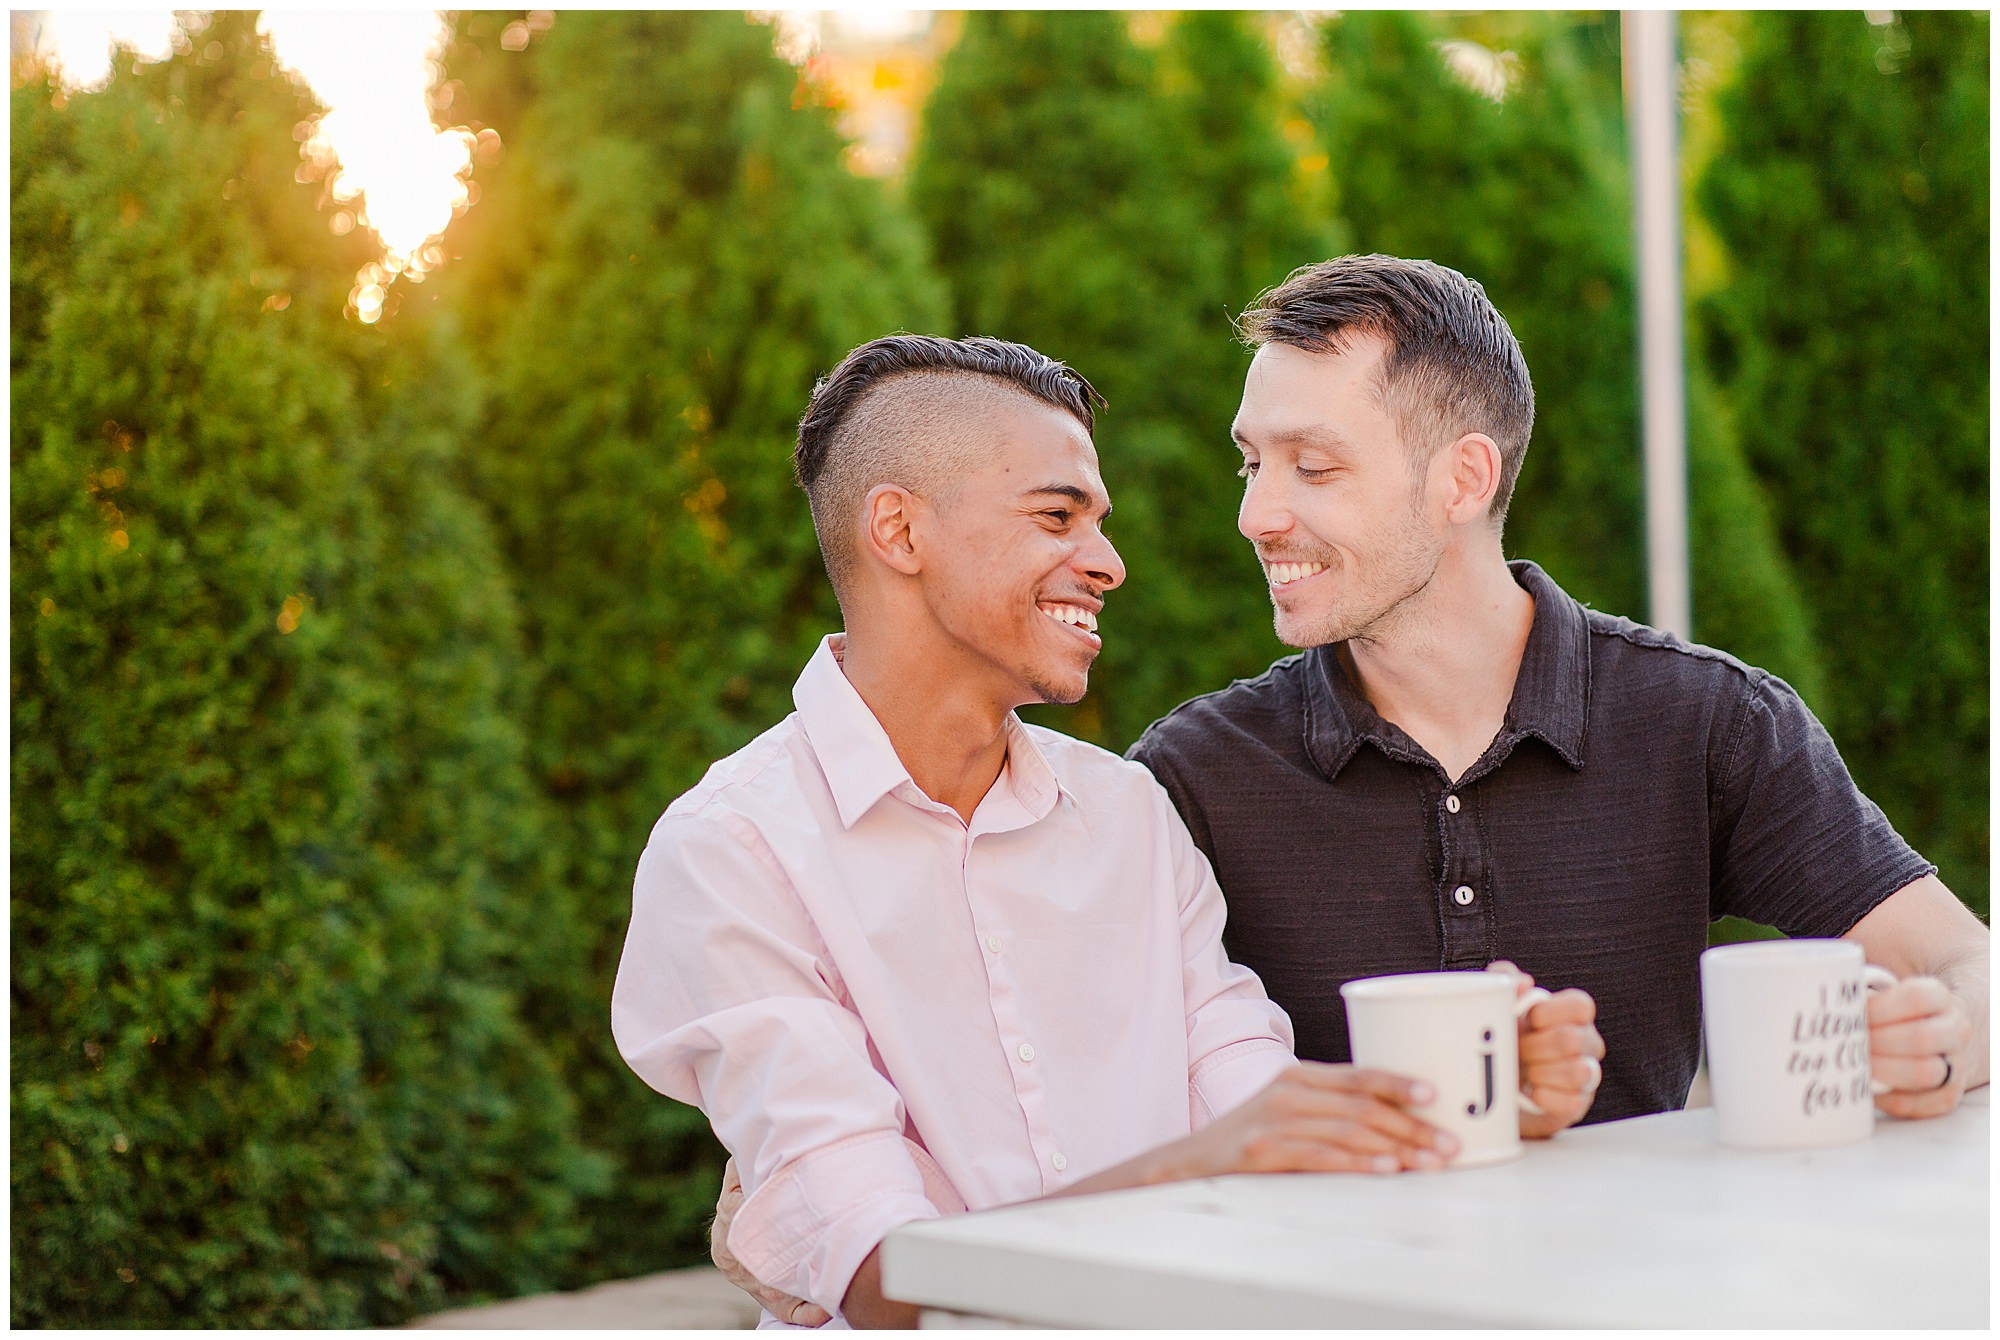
1053, 694
1411, 563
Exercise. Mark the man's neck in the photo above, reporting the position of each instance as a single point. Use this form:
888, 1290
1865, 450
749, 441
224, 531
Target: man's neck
1444, 670
952, 739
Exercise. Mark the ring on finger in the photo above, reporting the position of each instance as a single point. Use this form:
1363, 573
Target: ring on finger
1947, 1072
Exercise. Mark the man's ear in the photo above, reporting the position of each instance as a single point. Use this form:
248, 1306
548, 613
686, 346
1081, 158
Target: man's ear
1474, 465
888, 527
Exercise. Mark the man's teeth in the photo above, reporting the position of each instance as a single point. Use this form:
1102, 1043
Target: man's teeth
1280, 573
1071, 614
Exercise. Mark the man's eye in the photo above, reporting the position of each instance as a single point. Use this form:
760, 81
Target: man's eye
1059, 515
1305, 473
1246, 470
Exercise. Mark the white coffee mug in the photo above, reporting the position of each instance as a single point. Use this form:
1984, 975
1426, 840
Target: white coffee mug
1786, 1024
1456, 1032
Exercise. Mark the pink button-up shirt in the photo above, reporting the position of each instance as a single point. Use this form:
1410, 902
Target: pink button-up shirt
890, 1014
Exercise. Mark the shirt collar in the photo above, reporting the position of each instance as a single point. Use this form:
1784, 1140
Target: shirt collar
861, 765
1551, 690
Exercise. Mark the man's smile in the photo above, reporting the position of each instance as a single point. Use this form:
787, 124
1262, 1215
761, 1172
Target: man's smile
1081, 621
1284, 575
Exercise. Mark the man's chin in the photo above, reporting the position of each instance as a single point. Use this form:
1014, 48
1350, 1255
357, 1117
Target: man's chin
1062, 692
1299, 633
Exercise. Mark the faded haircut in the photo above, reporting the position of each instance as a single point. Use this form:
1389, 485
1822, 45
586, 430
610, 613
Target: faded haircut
906, 409
1452, 367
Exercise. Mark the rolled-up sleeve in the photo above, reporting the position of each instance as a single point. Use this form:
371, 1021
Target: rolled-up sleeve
726, 999
1239, 1040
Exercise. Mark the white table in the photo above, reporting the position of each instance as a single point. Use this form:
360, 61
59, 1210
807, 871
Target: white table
1645, 1222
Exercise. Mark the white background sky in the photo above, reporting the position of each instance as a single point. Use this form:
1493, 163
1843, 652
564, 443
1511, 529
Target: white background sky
371, 70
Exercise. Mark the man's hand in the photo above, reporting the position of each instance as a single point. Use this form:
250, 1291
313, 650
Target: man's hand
1311, 1118
1561, 1051
1918, 1034
1928, 1034
1326, 1118
783, 1306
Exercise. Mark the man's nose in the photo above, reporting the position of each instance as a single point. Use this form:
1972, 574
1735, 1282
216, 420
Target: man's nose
1263, 512
1100, 562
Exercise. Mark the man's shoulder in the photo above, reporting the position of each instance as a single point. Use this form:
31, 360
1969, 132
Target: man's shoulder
762, 777
1262, 708
1086, 769
1626, 654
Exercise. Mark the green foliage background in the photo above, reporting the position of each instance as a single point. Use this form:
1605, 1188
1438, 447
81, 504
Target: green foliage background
351, 665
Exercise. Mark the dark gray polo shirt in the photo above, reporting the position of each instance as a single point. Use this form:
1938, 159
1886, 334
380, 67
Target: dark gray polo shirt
1639, 788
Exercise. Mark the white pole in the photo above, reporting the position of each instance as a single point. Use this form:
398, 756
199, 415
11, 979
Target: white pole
1651, 105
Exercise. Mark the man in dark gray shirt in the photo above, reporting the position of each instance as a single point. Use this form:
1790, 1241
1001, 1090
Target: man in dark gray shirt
1465, 765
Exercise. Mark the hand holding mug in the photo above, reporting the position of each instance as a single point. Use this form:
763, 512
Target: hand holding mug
1459, 1033
1561, 1056
1916, 1029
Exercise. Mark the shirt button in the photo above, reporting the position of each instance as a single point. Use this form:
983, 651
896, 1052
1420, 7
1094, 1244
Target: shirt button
1058, 1162
1462, 895
1451, 804
993, 943
1027, 1051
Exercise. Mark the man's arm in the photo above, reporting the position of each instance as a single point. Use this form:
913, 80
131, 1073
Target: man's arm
1311, 1118
1928, 1034
725, 998
1797, 846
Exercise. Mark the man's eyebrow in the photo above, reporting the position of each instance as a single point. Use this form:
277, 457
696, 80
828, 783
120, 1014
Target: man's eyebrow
1306, 435
1076, 493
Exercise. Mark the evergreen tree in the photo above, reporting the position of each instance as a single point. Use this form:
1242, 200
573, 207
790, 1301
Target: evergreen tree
667, 255
1529, 194
1110, 204
1850, 189
267, 1064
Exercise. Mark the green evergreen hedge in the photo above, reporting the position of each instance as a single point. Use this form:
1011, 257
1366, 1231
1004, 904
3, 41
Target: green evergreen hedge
268, 798
1851, 336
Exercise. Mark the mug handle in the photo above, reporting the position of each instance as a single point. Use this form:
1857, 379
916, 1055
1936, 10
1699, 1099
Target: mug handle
1530, 998
1875, 978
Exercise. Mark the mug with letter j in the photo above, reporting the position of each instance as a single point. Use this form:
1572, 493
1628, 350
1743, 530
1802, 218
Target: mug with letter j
1456, 1032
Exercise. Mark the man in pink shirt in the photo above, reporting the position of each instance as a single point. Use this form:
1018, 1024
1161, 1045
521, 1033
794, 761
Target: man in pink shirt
912, 956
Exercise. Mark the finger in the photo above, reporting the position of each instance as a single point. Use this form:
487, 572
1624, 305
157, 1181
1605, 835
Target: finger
1350, 1132
1911, 998
1564, 1042
1523, 983
1913, 1074
1577, 1075
799, 1312
1353, 1108
1930, 1035
1561, 1111
1346, 1079
1269, 1150
1916, 1106
1317, 1156
1568, 1006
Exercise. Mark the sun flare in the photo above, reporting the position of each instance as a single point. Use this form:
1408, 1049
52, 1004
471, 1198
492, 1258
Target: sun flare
389, 166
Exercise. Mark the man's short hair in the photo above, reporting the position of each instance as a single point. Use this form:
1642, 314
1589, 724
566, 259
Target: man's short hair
1453, 365
906, 409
